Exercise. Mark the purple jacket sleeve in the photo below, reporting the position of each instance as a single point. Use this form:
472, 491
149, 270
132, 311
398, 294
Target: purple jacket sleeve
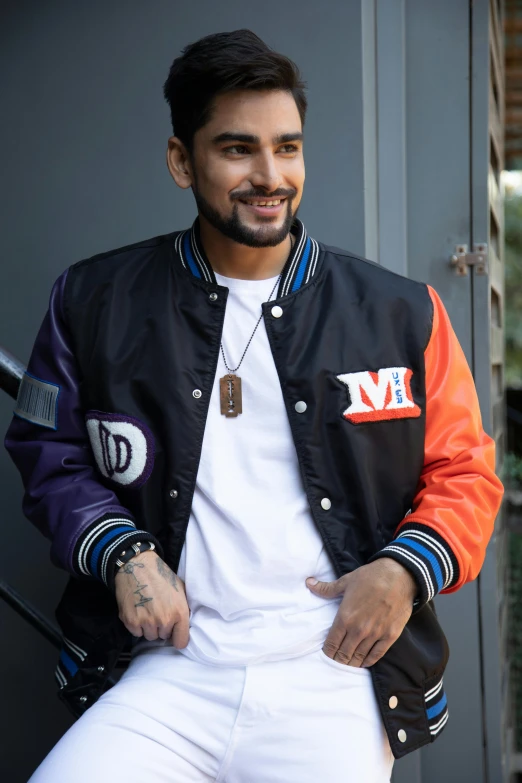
49, 444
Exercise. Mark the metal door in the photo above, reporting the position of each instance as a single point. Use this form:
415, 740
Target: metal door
452, 104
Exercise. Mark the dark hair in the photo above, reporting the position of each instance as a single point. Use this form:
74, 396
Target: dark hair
220, 63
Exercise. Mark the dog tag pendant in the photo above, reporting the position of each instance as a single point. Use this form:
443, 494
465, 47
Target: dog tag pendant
230, 395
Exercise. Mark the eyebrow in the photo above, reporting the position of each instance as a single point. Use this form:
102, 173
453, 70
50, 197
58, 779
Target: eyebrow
247, 138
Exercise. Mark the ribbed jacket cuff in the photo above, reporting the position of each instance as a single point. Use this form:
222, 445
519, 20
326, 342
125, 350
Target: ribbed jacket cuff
427, 556
99, 546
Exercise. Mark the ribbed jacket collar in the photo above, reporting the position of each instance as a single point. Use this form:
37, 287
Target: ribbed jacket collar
301, 265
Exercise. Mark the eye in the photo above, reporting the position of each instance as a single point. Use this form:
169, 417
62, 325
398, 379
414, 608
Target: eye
291, 148
236, 147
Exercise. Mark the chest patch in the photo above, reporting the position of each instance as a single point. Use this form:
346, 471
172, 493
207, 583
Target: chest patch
378, 396
123, 447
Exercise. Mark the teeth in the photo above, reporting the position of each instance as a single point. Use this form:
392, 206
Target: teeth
264, 203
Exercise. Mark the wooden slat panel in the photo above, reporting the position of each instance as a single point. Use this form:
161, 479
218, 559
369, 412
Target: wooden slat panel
497, 80
497, 59
496, 29
495, 272
495, 128
495, 201
497, 344
498, 417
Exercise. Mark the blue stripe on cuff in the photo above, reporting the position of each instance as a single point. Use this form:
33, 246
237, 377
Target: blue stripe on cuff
101, 544
432, 559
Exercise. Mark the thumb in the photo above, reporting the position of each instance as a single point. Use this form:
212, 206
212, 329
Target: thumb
326, 589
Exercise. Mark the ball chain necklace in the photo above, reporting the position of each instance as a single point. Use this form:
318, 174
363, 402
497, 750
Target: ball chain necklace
230, 393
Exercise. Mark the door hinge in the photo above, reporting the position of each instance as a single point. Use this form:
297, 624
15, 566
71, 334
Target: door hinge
461, 259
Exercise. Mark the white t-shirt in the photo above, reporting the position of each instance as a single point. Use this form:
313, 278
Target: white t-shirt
251, 541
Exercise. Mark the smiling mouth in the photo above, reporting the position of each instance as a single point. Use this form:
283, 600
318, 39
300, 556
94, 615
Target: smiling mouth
275, 202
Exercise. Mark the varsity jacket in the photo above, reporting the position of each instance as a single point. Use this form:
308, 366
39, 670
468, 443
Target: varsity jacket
109, 423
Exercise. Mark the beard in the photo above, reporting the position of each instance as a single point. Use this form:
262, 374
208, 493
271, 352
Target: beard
233, 228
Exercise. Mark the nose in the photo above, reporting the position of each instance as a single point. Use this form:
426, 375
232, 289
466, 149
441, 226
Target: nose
266, 174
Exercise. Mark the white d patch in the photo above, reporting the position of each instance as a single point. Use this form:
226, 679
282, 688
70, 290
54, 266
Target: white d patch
123, 447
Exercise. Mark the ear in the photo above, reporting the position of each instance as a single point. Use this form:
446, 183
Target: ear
178, 162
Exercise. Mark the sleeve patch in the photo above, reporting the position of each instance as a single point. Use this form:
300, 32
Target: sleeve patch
37, 402
123, 447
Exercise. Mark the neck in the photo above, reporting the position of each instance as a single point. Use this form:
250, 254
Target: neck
230, 259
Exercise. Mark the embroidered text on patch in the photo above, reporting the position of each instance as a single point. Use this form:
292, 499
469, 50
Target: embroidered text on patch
123, 447
37, 401
378, 396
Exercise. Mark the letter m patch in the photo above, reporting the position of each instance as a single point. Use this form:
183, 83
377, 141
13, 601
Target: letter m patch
378, 396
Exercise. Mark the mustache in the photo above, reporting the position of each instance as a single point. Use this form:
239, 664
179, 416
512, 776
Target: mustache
277, 194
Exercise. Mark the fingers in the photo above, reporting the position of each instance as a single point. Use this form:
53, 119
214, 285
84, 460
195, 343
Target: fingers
358, 656
180, 634
377, 651
335, 636
352, 645
150, 632
151, 627
366, 653
165, 630
162, 611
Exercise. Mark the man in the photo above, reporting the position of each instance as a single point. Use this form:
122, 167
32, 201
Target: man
213, 416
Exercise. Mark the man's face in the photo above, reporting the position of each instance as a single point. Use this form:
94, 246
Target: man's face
250, 151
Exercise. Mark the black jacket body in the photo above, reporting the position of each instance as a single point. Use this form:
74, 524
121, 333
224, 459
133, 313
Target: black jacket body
146, 334
141, 327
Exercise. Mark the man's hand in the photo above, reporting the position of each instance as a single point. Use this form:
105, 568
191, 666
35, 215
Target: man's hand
377, 603
151, 600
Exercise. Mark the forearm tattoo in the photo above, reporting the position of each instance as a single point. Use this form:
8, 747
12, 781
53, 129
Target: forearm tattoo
167, 574
129, 568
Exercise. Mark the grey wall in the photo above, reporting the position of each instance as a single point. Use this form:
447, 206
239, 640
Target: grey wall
83, 149
83, 142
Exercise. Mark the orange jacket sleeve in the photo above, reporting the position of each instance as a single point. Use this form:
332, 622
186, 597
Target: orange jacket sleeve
443, 540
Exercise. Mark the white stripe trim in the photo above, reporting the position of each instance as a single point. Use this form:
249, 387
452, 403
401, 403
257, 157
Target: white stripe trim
59, 676
313, 264
316, 258
420, 564
435, 545
178, 245
433, 692
84, 549
436, 727
439, 550
95, 532
82, 655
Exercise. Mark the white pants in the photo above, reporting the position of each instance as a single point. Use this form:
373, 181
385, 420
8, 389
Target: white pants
171, 719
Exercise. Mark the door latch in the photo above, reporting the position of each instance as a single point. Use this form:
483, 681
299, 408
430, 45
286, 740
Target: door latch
461, 259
